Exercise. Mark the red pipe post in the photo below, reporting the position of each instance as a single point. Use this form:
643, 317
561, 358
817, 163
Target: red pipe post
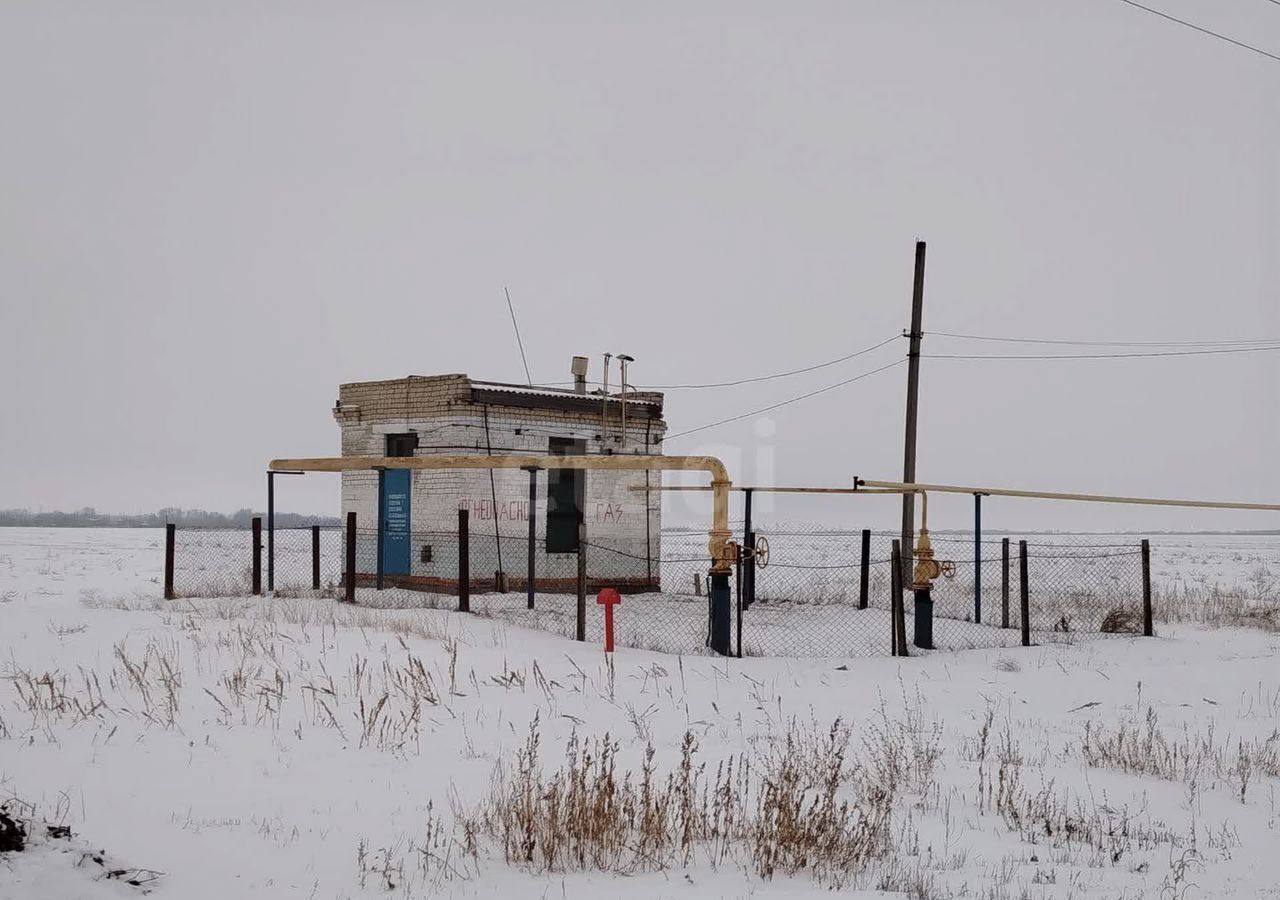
608, 598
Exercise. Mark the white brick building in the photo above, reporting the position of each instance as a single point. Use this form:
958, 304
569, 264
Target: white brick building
451, 414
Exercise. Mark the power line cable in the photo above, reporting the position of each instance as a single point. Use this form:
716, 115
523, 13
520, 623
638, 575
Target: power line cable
1202, 30
813, 368
740, 381
1078, 343
1098, 355
823, 390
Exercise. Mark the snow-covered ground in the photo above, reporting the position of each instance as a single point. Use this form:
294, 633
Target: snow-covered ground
294, 747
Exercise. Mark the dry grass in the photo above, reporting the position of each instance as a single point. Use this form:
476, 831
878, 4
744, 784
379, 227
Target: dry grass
900, 754
1080, 831
146, 685
1121, 621
1106, 833
1196, 759
789, 812
405, 865
1257, 606
155, 677
1084, 831
248, 659
306, 610
50, 695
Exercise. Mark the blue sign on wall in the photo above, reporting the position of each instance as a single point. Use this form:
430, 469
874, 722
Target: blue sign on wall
395, 522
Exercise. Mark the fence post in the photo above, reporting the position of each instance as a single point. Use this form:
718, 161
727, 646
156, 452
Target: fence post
864, 577
315, 557
893, 592
532, 575
170, 541
351, 558
464, 559
582, 581
1004, 583
1148, 628
1025, 590
977, 559
257, 555
749, 542
738, 565
271, 531
382, 513
897, 608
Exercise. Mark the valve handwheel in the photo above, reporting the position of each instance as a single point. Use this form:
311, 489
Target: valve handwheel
762, 551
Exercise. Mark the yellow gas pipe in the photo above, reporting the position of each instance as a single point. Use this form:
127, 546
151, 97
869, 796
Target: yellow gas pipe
721, 549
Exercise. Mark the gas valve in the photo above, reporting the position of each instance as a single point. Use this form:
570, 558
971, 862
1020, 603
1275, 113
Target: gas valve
761, 551
927, 569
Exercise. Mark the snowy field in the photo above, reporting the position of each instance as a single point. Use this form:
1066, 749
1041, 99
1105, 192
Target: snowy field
293, 747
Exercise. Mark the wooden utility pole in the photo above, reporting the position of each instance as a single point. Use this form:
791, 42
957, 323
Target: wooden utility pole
913, 401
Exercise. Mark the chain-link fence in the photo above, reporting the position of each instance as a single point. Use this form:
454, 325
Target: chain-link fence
1076, 585
210, 562
817, 597
221, 562
307, 560
664, 604
821, 592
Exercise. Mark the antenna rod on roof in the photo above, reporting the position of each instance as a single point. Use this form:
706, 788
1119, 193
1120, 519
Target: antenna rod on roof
519, 342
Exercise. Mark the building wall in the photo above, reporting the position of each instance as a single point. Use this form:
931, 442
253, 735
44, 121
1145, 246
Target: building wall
440, 411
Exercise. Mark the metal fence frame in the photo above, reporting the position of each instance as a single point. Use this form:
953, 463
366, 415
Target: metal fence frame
841, 604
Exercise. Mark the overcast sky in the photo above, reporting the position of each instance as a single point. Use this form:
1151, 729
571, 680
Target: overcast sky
211, 215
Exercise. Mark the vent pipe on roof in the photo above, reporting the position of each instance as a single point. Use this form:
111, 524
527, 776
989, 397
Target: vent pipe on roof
604, 402
624, 359
579, 370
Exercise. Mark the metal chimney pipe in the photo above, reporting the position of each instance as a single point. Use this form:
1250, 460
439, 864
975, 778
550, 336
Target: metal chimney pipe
604, 402
579, 369
623, 359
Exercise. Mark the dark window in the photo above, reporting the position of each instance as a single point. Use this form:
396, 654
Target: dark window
402, 444
566, 489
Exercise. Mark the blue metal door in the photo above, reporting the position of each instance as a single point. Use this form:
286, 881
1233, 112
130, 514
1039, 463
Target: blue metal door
395, 522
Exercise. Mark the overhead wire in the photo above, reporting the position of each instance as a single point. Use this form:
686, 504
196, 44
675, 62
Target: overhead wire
1099, 355
1202, 30
773, 406
739, 381
759, 378
1095, 343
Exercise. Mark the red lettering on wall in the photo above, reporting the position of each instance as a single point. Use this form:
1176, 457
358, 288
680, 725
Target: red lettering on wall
506, 511
484, 510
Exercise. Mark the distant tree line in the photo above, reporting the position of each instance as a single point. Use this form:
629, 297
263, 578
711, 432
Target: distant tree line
88, 517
